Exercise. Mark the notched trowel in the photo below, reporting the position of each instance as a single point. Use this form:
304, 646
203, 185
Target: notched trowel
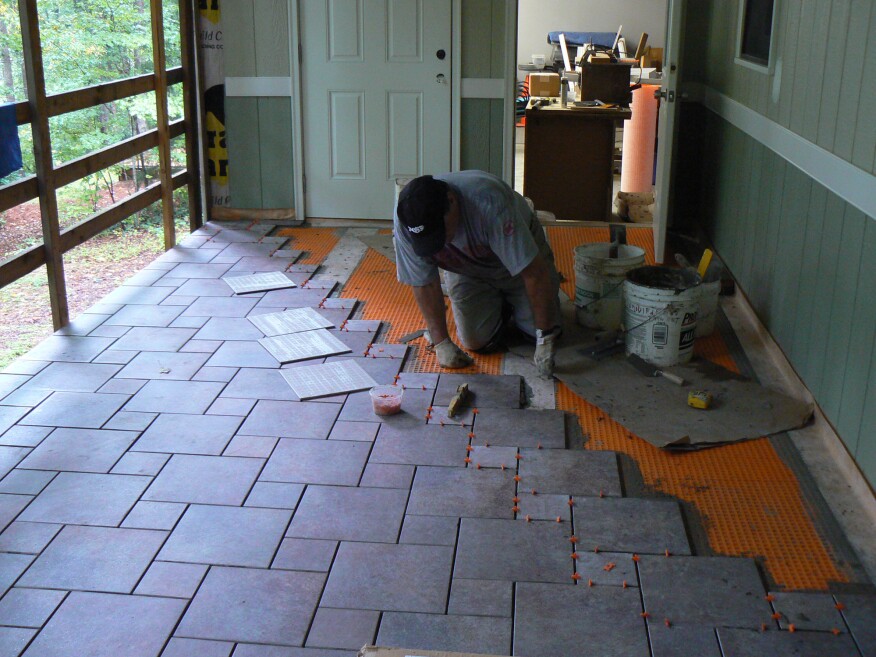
652, 370
607, 344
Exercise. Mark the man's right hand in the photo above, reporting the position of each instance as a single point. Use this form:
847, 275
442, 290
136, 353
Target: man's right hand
450, 356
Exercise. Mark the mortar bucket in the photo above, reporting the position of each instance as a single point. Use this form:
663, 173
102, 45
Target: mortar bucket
599, 283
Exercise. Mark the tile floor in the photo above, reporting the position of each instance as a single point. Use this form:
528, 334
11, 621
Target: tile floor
163, 492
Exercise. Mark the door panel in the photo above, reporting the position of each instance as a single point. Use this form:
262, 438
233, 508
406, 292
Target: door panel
375, 100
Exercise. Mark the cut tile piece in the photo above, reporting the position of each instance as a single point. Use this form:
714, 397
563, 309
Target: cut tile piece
72, 377
543, 507
682, 640
569, 472
488, 391
205, 480
20, 436
188, 434
154, 339
343, 628
302, 346
171, 580
140, 463
290, 419
494, 457
429, 530
11, 567
27, 537
86, 499
859, 611
530, 552
159, 316
557, 619
198, 270
480, 597
479, 634
220, 374
607, 568
14, 639
425, 445
627, 524
462, 492
352, 514
223, 535
256, 606
201, 648
167, 366
752, 643
807, 611
259, 447
107, 625
316, 462
242, 354
305, 554
131, 421
103, 559
80, 450
175, 397
297, 298
289, 321
154, 515
327, 379
25, 482
385, 475
9, 415
11, 506
84, 410
10, 457
259, 383
521, 428
68, 348
274, 495
361, 431
228, 328
28, 607
389, 577
231, 406
735, 592
220, 307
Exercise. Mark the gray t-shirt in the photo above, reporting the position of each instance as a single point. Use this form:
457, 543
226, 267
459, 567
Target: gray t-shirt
497, 236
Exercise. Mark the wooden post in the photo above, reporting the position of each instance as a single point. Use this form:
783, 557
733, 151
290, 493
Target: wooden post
164, 162
191, 93
42, 151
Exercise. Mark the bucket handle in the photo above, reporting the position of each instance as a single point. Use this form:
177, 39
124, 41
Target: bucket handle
650, 319
602, 296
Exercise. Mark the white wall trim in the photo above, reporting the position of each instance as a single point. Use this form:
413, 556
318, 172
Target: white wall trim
297, 120
456, 86
510, 91
258, 87
483, 88
854, 185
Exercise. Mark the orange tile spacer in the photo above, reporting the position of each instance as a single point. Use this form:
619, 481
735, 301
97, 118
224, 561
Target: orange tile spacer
559, 519
775, 616
611, 565
576, 576
573, 539
538, 446
515, 508
469, 448
571, 502
769, 597
839, 606
835, 631
478, 466
516, 477
625, 585
534, 492
574, 556
518, 456
636, 558
792, 627
528, 518
474, 411
666, 622
763, 627
645, 614
589, 582
667, 553
467, 459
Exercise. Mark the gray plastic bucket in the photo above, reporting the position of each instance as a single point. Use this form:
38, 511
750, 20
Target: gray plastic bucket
599, 283
660, 314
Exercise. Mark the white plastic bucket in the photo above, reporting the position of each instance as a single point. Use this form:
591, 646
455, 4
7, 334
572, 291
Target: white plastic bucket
708, 307
599, 283
660, 314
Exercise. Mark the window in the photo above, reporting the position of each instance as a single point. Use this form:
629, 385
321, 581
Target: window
754, 39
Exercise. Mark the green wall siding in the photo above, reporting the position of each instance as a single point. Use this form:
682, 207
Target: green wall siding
805, 258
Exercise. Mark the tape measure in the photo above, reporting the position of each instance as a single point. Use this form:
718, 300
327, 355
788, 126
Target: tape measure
699, 399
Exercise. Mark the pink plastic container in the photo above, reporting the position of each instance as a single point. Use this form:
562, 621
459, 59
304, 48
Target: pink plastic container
386, 400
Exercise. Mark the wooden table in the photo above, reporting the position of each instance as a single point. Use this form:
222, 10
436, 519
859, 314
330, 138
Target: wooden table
567, 160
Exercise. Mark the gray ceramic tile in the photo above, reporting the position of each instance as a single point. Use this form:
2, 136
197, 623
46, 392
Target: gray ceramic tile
86, 499
254, 446
205, 287
343, 628
256, 606
229, 328
130, 420
188, 434
807, 611
97, 624
205, 480
20, 367
859, 611
358, 407
80, 450
382, 370
14, 639
357, 514
682, 640
425, 445
383, 475
26, 397
109, 331
94, 559
275, 496
83, 324
25, 482
530, 552
305, 554
627, 524
140, 463
557, 619
27, 537
174, 397
389, 577
480, 597
28, 607
361, 431
136, 295
462, 492
85, 410
159, 316
221, 374
198, 270
704, 590
569, 472
242, 249
188, 322
223, 535
201, 648
171, 580
543, 507
488, 391
72, 377
11, 567
22, 436
167, 366
9, 415
606, 568
463, 418
179, 254
522, 428
453, 633
290, 419
11, 506
242, 354
257, 383
10, 382
493, 456
113, 356
753, 643
154, 515
68, 348
292, 298
143, 278
10, 457
429, 530
154, 339
315, 461
123, 386
230, 406
418, 380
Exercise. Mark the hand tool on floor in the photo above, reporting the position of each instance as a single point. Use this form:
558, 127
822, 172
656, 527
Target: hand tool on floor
699, 399
607, 344
408, 337
461, 396
651, 370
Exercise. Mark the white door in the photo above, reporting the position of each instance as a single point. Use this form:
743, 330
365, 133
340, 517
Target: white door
375, 100
666, 123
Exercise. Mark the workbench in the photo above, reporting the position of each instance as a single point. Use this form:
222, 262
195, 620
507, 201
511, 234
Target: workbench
567, 159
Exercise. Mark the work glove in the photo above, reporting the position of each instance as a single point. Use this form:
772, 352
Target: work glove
545, 352
451, 356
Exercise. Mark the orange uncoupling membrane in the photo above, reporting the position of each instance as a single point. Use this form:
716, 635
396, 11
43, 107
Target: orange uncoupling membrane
317, 243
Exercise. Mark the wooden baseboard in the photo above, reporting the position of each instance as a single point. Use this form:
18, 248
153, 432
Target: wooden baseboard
223, 213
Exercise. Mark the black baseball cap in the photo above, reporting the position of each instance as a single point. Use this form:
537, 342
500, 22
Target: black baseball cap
422, 204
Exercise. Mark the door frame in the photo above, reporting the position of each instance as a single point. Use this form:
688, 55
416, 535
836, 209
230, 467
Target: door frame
295, 56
